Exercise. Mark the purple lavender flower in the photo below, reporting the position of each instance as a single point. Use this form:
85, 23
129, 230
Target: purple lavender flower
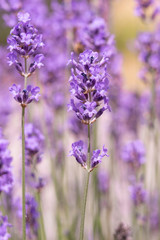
97, 157
6, 177
75, 126
141, 6
138, 194
80, 153
148, 45
25, 96
34, 142
133, 153
32, 216
4, 235
89, 85
93, 35
25, 42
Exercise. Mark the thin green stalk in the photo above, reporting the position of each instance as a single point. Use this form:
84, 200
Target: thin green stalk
42, 228
23, 176
86, 188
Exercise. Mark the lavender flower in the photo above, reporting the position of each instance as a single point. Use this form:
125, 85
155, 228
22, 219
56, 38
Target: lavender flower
34, 142
32, 216
89, 85
25, 96
138, 194
6, 177
93, 35
148, 44
25, 42
141, 6
133, 153
4, 235
79, 152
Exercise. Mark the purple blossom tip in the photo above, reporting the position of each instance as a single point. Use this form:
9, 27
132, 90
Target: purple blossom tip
97, 157
78, 151
23, 17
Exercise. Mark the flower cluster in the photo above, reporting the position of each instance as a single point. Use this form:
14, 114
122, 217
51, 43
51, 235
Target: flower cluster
138, 194
134, 154
25, 96
34, 141
148, 44
143, 5
80, 154
89, 85
6, 177
25, 42
4, 235
93, 35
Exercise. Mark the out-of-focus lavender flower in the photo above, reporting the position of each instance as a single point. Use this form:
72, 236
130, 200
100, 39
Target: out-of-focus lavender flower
6, 177
148, 44
80, 153
103, 181
10, 8
75, 126
25, 96
138, 194
25, 42
93, 35
34, 142
133, 153
32, 216
122, 232
89, 85
4, 235
141, 6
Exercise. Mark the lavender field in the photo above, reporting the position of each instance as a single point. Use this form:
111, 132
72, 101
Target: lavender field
80, 119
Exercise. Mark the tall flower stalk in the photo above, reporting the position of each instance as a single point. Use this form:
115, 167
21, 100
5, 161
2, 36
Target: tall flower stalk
89, 85
24, 44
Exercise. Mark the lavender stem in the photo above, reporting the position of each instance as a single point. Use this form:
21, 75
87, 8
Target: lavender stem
23, 161
23, 175
86, 188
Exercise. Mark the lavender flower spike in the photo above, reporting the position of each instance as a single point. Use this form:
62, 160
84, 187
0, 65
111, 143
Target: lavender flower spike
25, 96
4, 235
134, 154
25, 42
89, 85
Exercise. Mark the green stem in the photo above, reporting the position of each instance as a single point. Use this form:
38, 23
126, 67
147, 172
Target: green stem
42, 228
86, 188
23, 175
